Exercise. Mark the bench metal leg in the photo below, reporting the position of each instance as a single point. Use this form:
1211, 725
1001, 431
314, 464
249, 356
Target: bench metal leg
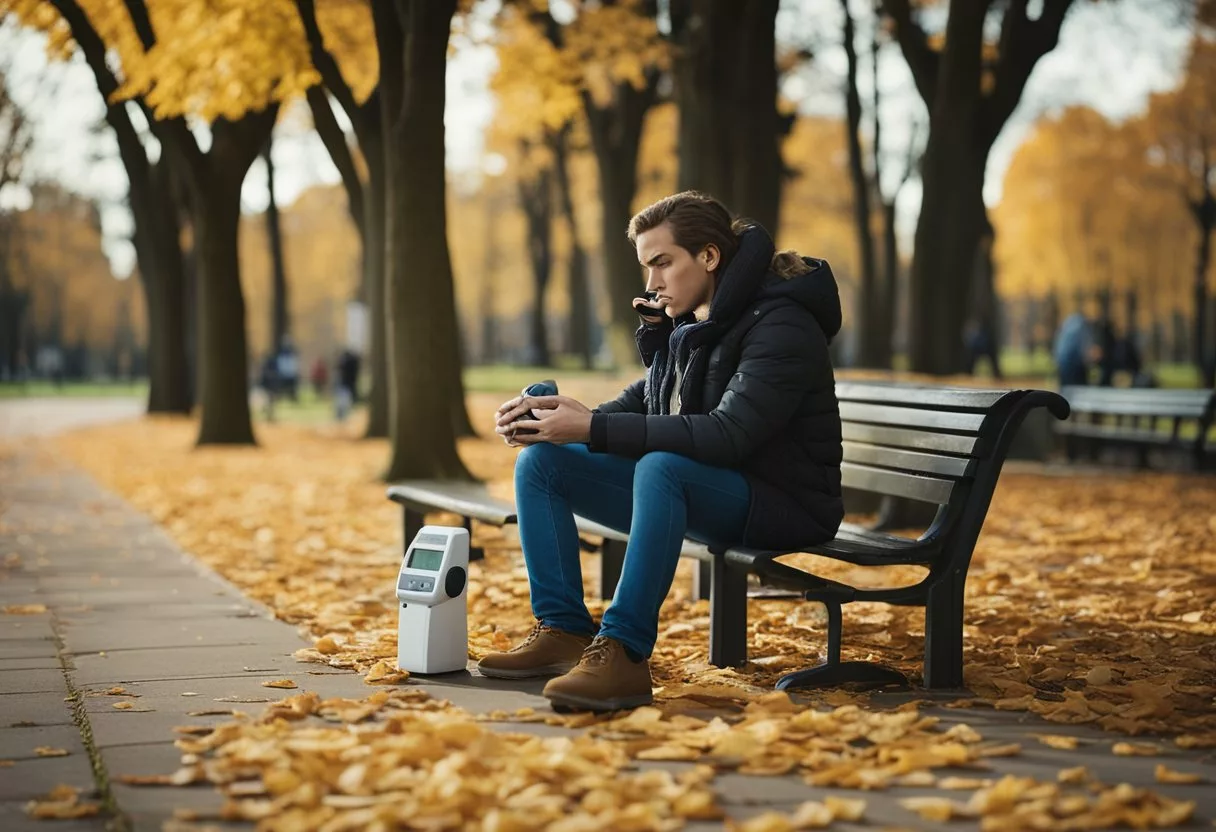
702, 580
944, 634
835, 672
727, 615
612, 561
475, 552
413, 522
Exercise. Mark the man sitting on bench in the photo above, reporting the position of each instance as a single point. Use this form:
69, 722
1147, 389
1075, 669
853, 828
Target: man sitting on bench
733, 438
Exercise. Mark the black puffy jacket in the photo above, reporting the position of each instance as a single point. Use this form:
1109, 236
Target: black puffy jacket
758, 395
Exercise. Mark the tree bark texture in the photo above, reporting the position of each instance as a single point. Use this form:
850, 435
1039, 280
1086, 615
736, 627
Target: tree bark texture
536, 200
726, 87
869, 337
964, 120
280, 313
157, 232
375, 278
580, 290
616, 132
424, 359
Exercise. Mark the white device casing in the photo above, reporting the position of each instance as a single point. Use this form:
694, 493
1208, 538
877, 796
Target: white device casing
432, 627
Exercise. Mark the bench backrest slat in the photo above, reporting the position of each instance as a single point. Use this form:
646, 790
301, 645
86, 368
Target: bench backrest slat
911, 417
903, 438
913, 462
914, 442
896, 483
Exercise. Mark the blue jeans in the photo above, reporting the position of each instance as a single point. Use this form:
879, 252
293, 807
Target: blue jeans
658, 500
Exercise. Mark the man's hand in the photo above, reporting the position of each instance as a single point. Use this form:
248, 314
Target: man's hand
560, 420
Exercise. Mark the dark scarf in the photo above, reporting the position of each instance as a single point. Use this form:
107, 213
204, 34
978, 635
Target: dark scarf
686, 342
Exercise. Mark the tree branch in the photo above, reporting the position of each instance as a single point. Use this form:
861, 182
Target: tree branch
335, 142
172, 132
324, 61
914, 43
1023, 41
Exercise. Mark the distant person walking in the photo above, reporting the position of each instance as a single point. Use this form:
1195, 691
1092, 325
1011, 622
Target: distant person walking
1071, 350
319, 376
348, 383
288, 361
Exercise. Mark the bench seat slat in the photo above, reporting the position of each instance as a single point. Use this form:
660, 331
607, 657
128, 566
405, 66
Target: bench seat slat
910, 417
906, 438
911, 461
895, 483
464, 498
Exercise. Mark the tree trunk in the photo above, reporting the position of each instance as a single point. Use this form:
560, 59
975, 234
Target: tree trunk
756, 165
704, 31
735, 158
224, 374
869, 304
158, 250
886, 317
374, 280
580, 293
616, 132
536, 200
964, 121
280, 321
424, 359
946, 237
1205, 215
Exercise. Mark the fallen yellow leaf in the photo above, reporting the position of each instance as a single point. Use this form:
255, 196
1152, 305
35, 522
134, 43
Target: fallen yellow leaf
1162, 774
285, 684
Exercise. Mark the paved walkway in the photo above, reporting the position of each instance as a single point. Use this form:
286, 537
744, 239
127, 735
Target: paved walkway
126, 607
43, 416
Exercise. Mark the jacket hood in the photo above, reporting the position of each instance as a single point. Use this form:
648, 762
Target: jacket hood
816, 290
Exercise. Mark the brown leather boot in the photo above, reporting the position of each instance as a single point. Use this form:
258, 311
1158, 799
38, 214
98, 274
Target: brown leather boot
545, 652
606, 679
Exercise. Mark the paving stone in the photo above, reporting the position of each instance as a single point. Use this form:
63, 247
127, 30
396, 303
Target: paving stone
14, 819
29, 648
85, 614
129, 598
28, 779
142, 725
162, 800
179, 663
25, 628
41, 663
46, 708
166, 695
32, 681
19, 743
141, 633
148, 758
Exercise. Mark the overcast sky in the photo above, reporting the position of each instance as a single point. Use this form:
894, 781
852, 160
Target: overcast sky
1111, 56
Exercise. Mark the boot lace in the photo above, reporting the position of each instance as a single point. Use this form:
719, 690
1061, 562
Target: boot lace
537, 629
598, 652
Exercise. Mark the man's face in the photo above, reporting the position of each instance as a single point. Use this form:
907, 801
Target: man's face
681, 281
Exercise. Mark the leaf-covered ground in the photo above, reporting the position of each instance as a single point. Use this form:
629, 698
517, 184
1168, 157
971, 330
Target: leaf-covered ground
1091, 599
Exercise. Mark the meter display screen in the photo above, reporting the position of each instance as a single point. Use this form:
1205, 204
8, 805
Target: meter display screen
426, 559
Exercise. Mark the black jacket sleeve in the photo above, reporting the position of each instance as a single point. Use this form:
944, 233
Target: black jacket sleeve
631, 400
783, 358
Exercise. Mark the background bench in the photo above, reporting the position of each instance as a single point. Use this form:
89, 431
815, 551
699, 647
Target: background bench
1143, 419
936, 445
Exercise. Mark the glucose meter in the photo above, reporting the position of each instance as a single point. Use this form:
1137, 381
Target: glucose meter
432, 593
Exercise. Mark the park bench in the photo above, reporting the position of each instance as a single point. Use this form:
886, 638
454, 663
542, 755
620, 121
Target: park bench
1177, 422
936, 445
